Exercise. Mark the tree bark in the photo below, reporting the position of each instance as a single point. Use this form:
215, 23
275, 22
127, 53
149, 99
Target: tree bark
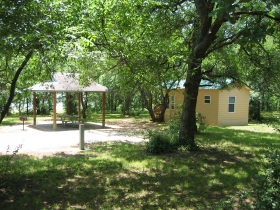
126, 106
162, 107
69, 104
148, 101
27, 104
13, 86
188, 118
84, 100
205, 30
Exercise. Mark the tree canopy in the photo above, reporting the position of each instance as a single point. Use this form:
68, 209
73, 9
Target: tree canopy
146, 45
30, 30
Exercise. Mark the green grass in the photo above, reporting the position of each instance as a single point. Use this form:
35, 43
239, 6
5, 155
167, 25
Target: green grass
123, 176
11, 120
115, 117
14, 119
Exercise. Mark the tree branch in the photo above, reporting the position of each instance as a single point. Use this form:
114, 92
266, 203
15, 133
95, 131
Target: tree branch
224, 42
13, 86
257, 13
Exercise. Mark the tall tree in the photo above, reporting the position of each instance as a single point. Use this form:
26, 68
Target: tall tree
148, 52
262, 59
27, 29
218, 24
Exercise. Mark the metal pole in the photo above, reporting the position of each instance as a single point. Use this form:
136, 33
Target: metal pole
82, 136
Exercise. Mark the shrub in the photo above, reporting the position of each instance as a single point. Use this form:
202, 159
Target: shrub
159, 143
174, 129
275, 124
174, 124
239, 201
268, 183
266, 188
255, 109
168, 141
200, 123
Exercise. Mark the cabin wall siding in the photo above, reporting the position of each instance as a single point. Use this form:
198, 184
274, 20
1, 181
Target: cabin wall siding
209, 111
216, 113
179, 99
241, 112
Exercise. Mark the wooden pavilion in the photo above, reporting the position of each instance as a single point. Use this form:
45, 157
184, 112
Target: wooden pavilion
67, 82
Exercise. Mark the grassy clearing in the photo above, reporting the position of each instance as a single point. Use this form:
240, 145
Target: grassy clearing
10, 120
116, 117
123, 176
14, 119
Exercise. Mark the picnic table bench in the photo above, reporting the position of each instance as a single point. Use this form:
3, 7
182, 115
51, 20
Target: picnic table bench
69, 118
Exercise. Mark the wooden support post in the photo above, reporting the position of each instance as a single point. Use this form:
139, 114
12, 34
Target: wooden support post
34, 108
54, 110
103, 108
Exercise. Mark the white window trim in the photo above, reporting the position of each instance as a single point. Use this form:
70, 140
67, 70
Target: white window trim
172, 103
232, 103
207, 99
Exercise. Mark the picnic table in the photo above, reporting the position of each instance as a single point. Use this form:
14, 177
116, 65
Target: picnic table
69, 118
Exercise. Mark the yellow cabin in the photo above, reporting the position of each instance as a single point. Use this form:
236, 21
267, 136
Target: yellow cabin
223, 107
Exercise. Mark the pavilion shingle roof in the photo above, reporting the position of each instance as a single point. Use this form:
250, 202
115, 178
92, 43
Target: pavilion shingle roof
65, 82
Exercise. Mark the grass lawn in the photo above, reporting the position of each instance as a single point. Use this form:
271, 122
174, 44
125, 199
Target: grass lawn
14, 119
123, 176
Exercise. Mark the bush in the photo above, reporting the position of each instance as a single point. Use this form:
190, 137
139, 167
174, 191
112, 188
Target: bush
168, 141
159, 143
268, 184
255, 109
239, 201
200, 123
174, 129
266, 188
174, 125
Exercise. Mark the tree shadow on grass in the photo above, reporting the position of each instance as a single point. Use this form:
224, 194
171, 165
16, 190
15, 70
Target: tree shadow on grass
126, 178
122, 175
241, 137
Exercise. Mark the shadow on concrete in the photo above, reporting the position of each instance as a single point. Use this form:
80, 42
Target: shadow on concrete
48, 127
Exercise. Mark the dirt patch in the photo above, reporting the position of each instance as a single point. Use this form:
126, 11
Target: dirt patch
133, 127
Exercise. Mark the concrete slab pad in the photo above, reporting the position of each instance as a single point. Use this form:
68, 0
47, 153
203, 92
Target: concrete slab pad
41, 138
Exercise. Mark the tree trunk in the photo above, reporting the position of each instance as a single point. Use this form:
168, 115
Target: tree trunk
205, 30
27, 104
50, 103
161, 116
126, 105
161, 108
148, 102
43, 109
84, 100
19, 107
69, 104
188, 118
13, 86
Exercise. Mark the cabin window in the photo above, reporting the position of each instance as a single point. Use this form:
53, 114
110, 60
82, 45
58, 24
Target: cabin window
207, 99
172, 102
231, 104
